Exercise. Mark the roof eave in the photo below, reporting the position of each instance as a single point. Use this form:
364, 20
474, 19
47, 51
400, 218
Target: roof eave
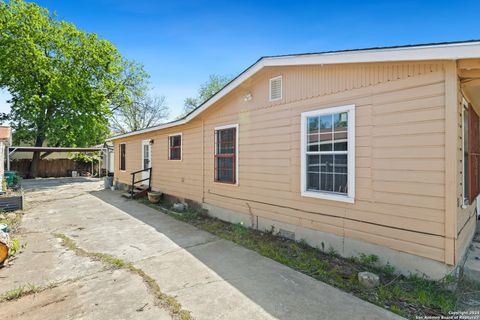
445, 51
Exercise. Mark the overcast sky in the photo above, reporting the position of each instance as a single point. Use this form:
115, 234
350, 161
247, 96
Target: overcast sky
182, 42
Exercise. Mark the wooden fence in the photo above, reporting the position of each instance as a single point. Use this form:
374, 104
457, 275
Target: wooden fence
51, 167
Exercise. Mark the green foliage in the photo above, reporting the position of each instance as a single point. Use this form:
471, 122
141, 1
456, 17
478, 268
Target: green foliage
368, 260
389, 269
19, 292
239, 229
332, 251
15, 246
207, 89
63, 81
85, 158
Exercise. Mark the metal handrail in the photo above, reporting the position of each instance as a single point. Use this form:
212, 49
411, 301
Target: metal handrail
135, 182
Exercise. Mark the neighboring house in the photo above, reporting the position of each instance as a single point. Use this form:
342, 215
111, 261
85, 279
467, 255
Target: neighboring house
371, 151
5, 142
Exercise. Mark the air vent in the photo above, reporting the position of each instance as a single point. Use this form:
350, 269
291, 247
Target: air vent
276, 88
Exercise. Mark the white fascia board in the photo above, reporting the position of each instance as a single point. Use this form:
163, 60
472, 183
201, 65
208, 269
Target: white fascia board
452, 51
433, 52
163, 126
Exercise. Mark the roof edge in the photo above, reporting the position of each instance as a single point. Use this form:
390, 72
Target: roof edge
432, 51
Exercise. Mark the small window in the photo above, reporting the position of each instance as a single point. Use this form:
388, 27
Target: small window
122, 156
276, 88
175, 147
226, 154
328, 153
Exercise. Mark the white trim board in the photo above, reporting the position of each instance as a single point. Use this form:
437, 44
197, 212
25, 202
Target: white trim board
181, 146
448, 51
237, 148
350, 197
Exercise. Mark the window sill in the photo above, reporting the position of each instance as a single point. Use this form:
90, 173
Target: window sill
227, 183
328, 196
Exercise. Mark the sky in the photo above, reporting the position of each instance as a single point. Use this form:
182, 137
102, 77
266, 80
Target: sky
181, 43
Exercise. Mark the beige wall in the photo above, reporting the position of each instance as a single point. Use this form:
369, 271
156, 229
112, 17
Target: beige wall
400, 153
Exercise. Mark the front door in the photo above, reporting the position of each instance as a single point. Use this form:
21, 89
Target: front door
146, 159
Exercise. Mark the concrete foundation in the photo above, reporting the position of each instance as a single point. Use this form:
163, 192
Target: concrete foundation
403, 262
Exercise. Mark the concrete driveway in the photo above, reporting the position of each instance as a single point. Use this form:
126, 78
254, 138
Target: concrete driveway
212, 278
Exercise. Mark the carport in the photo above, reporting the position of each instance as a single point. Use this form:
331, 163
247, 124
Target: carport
45, 151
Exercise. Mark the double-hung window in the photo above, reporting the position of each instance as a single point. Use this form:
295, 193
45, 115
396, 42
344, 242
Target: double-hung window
226, 154
328, 153
122, 156
175, 147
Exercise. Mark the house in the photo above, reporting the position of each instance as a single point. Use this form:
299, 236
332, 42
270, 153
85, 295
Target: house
5, 142
372, 151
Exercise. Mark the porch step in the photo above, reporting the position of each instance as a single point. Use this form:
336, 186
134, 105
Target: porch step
138, 192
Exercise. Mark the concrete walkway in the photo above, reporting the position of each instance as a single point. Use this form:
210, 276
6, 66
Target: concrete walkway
212, 278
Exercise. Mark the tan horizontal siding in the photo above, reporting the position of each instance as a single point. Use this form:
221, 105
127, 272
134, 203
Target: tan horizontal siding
400, 148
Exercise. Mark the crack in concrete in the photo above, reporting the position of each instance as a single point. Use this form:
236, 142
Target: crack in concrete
175, 251
41, 202
199, 284
167, 301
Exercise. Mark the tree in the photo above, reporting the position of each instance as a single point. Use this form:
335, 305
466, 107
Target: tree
143, 112
64, 82
207, 89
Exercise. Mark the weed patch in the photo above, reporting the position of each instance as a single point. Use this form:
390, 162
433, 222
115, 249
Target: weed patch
166, 301
22, 291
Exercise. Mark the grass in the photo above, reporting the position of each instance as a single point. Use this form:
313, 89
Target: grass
14, 248
21, 291
409, 296
166, 301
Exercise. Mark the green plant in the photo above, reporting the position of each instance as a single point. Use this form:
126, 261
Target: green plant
14, 247
85, 158
368, 260
389, 269
332, 251
239, 230
19, 292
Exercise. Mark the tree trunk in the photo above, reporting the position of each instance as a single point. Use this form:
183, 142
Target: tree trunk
32, 172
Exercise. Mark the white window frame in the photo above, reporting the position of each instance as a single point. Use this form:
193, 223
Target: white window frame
465, 197
181, 146
120, 157
270, 88
350, 197
237, 151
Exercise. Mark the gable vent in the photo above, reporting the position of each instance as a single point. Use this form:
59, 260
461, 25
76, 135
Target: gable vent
276, 88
